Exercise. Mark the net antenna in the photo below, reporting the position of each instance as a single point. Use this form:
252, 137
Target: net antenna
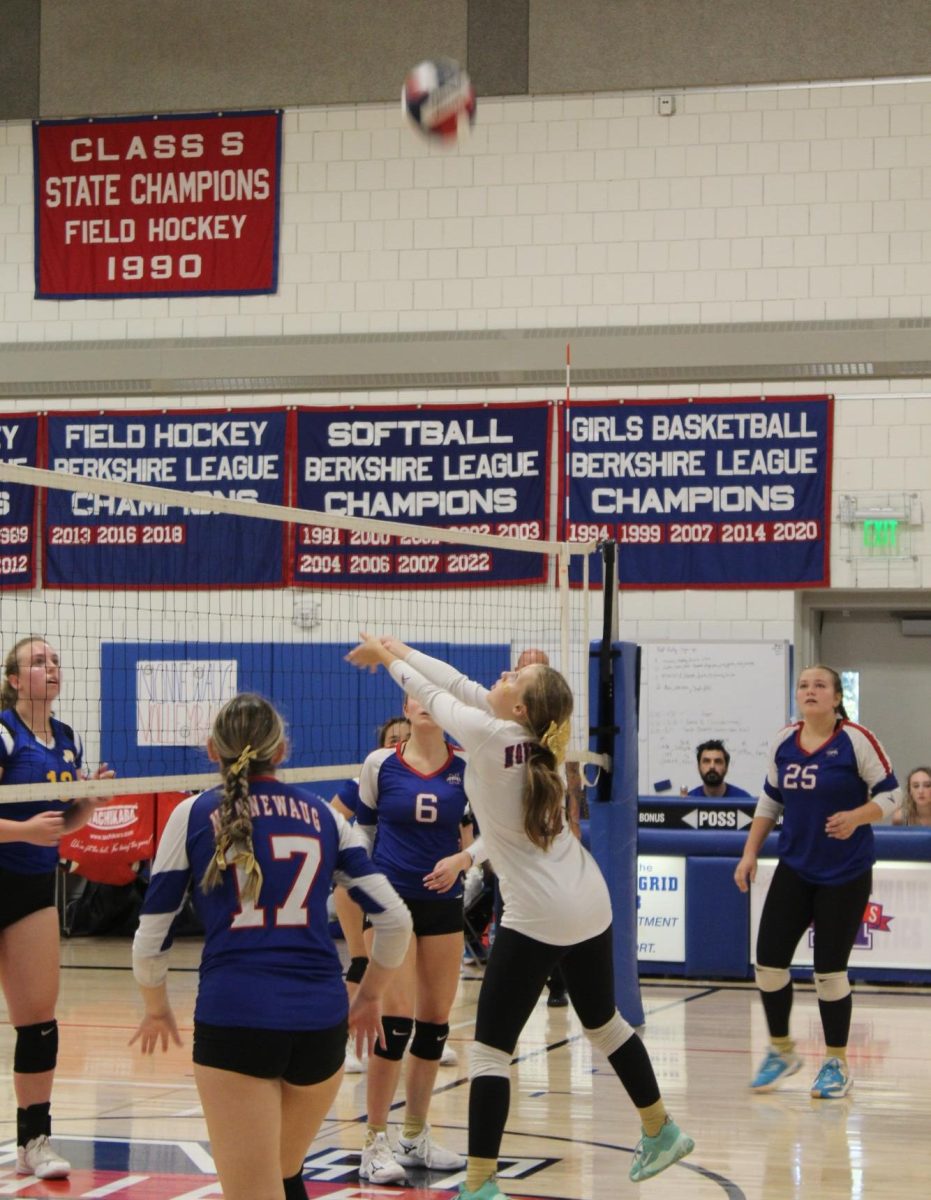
145, 668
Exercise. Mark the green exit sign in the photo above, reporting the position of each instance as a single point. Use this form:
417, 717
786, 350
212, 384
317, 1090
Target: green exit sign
880, 534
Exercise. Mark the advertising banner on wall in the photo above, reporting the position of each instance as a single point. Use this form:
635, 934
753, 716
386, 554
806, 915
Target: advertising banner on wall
660, 908
479, 469
19, 438
117, 839
712, 493
157, 205
894, 931
98, 541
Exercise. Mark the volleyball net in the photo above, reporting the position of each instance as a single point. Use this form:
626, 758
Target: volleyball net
163, 603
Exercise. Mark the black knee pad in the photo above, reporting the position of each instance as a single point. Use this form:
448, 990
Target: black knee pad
397, 1035
356, 969
36, 1048
429, 1040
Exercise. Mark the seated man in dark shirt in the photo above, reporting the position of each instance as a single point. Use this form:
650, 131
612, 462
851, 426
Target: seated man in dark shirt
713, 761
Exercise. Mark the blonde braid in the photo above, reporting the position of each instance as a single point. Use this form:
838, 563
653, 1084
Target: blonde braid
245, 716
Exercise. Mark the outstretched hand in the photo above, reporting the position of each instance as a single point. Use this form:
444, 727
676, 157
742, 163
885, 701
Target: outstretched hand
369, 653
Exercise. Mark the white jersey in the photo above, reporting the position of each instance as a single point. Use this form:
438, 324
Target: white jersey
557, 896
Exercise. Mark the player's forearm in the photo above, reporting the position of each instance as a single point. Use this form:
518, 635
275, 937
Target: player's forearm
80, 812
867, 813
155, 999
760, 829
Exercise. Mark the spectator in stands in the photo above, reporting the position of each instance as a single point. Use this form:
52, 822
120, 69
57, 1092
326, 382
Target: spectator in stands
915, 809
713, 762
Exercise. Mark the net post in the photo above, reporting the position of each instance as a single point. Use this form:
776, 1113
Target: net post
614, 818
606, 729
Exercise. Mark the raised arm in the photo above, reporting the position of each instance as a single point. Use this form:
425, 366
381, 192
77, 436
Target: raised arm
469, 725
433, 669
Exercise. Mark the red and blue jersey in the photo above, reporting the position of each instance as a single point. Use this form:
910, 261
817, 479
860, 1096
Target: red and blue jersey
348, 795
25, 758
843, 773
414, 819
268, 963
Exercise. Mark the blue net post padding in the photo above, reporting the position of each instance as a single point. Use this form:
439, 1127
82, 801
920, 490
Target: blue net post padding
614, 830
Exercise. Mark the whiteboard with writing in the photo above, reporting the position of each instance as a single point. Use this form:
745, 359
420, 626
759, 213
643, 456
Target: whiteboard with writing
693, 691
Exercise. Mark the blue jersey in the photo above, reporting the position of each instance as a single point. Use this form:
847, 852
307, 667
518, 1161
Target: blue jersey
348, 795
268, 963
414, 819
24, 758
731, 792
841, 774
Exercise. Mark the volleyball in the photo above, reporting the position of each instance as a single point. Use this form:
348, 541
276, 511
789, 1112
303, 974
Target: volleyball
438, 98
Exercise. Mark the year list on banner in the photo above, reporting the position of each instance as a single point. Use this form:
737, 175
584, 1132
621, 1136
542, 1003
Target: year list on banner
157, 206
711, 493
19, 437
479, 469
101, 541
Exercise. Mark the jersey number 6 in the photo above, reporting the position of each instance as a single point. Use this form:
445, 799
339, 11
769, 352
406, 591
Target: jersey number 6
425, 808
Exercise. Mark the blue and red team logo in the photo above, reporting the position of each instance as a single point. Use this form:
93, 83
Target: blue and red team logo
874, 921
180, 1170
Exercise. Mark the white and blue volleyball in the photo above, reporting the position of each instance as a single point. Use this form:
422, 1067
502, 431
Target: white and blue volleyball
439, 99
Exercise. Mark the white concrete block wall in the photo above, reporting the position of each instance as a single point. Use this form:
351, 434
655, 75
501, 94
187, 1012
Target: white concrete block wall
801, 203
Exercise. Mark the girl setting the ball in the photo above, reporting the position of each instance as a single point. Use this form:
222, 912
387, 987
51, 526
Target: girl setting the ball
556, 904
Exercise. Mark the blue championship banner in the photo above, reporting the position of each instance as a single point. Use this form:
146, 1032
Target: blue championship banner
19, 440
710, 493
479, 469
101, 541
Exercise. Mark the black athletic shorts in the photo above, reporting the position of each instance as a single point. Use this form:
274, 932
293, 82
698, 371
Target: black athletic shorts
302, 1057
21, 895
432, 917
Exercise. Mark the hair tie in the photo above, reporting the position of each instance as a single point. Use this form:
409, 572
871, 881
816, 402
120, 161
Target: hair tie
248, 755
556, 740
219, 855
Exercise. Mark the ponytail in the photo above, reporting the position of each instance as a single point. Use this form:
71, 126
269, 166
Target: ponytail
246, 737
544, 798
548, 701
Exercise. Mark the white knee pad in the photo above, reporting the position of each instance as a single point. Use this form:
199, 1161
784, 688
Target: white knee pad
835, 986
486, 1060
772, 979
611, 1036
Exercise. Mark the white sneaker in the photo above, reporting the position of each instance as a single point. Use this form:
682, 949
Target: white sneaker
378, 1162
449, 1057
353, 1063
38, 1158
422, 1151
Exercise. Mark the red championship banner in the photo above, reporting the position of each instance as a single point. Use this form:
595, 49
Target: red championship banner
157, 206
